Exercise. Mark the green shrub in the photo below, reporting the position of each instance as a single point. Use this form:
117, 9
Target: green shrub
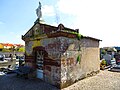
103, 62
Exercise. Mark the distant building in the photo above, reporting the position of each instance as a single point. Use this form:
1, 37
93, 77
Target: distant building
117, 48
8, 45
59, 55
18, 45
1, 46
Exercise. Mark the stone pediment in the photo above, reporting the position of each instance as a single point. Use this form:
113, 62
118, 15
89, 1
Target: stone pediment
36, 31
39, 31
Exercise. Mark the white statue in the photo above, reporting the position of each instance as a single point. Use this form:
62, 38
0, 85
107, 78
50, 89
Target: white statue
38, 11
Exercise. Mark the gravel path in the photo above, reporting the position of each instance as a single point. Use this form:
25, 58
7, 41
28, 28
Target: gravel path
12, 82
105, 80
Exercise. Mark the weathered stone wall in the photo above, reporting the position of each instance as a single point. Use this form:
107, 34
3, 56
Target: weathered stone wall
61, 64
70, 66
52, 63
73, 70
91, 55
65, 59
57, 48
90, 60
88, 42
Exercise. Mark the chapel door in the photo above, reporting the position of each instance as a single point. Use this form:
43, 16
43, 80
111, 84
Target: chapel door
39, 62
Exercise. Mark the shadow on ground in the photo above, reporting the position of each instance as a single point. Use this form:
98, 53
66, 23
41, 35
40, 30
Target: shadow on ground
12, 82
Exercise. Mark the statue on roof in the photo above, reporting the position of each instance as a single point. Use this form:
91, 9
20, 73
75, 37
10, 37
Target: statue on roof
38, 11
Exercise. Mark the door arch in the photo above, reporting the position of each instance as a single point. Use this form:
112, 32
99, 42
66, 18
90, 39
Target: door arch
39, 55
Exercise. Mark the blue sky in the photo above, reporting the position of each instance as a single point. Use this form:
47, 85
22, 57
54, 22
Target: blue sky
95, 18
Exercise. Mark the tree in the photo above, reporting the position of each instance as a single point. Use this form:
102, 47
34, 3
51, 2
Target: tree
21, 49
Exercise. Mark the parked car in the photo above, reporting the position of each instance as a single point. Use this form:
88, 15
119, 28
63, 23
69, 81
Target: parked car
113, 62
115, 68
1, 57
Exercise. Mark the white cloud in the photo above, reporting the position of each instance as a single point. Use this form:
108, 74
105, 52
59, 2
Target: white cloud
48, 10
54, 24
95, 18
69, 6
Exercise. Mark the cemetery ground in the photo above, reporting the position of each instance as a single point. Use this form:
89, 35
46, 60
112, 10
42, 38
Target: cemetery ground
105, 80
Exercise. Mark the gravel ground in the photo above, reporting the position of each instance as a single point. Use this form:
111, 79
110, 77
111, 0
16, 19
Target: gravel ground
105, 80
12, 82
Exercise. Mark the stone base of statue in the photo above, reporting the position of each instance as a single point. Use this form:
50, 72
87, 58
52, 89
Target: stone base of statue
39, 21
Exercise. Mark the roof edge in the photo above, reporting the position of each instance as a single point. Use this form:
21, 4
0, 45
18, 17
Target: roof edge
92, 38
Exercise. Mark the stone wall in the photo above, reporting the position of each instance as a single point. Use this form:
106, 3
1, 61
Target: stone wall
57, 49
66, 60
73, 70
90, 55
61, 57
90, 60
52, 53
